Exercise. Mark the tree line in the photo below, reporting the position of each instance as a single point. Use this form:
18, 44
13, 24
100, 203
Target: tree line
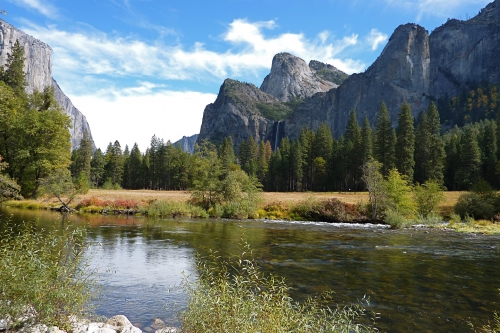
315, 161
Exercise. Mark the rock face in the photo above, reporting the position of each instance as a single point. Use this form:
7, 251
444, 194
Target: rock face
187, 143
466, 52
414, 67
235, 113
291, 78
327, 72
38, 69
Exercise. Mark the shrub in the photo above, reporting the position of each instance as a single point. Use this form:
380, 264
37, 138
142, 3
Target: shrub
475, 205
44, 276
236, 297
277, 209
398, 194
331, 210
396, 220
427, 197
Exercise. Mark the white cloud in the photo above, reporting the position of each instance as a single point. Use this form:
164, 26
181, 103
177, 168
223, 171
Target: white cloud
41, 6
441, 8
249, 50
134, 114
375, 38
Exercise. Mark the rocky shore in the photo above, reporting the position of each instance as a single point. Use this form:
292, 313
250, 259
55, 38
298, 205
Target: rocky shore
116, 324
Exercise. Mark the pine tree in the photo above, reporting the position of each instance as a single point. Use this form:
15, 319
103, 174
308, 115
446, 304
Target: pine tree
353, 142
13, 75
97, 170
366, 141
489, 149
405, 144
134, 165
435, 162
422, 147
114, 163
469, 170
227, 156
384, 147
307, 138
125, 183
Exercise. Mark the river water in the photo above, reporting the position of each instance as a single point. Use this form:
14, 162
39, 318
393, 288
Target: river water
423, 280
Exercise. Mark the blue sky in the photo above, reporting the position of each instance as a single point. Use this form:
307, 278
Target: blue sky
141, 67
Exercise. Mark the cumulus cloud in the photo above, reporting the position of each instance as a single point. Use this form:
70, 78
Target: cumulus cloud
41, 6
249, 50
441, 8
136, 113
375, 38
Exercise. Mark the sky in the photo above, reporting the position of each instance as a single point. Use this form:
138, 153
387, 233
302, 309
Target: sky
138, 68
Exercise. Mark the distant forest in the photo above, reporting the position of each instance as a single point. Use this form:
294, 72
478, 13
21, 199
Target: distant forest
418, 149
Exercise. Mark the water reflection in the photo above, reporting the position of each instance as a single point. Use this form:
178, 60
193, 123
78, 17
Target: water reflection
420, 281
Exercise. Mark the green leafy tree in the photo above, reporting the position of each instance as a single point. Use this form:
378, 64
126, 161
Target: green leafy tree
207, 175
405, 144
9, 190
374, 182
427, 197
385, 143
398, 191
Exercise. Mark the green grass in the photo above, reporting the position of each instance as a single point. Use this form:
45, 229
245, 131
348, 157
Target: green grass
44, 275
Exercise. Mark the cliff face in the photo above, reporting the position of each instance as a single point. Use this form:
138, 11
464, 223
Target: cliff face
291, 78
187, 143
413, 67
466, 52
38, 69
235, 113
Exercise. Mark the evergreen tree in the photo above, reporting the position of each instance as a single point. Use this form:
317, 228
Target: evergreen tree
353, 149
489, 152
134, 165
321, 147
422, 148
125, 183
307, 138
385, 143
83, 157
265, 152
13, 75
469, 169
366, 141
97, 171
405, 145
114, 163
227, 156
435, 163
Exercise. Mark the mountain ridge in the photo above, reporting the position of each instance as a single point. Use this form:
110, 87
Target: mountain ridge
414, 66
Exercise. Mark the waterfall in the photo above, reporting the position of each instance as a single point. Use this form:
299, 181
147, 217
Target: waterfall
277, 136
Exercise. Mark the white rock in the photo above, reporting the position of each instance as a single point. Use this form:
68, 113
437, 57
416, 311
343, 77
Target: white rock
119, 321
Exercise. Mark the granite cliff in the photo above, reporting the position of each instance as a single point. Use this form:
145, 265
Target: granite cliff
414, 66
38, 69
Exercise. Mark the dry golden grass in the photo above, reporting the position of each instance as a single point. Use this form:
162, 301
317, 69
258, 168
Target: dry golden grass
145, 196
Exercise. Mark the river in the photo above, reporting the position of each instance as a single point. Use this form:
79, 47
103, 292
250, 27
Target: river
420, 280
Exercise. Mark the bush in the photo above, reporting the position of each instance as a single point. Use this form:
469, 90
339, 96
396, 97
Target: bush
331, 210
44, 276
396, 220
427, 197
237, 297
475, 205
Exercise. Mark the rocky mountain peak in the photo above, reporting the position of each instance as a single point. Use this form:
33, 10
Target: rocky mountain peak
291, 78
327, 72
491, 13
